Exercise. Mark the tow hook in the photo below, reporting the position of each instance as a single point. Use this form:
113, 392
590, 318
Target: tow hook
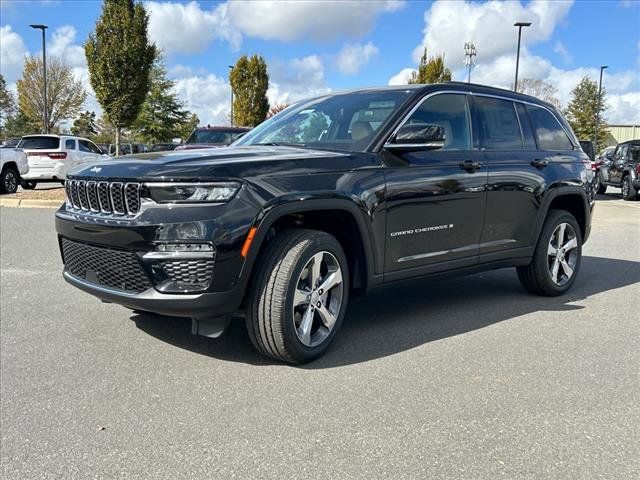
211, 327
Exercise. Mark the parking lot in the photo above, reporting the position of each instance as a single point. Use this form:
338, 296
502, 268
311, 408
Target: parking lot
460, 378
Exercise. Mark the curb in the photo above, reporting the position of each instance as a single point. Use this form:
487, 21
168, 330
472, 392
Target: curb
29, 203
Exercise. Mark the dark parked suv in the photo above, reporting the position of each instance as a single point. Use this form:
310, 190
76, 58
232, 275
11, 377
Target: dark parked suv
330, 198
622, 171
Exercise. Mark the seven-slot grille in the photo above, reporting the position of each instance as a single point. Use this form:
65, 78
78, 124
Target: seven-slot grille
107, 267
116, 198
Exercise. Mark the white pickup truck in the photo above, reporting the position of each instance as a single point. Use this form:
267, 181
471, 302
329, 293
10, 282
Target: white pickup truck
13, 164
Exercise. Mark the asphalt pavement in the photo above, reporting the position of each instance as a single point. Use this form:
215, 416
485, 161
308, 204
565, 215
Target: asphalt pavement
467, 378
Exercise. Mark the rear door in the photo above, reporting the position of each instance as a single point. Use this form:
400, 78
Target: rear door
617, 166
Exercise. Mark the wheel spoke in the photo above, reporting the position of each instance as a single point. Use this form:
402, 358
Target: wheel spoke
328, 319
568, 271
552, 251
554, 270
570, 245
332, 280
560, 237
300, 297
315, 269
305, 326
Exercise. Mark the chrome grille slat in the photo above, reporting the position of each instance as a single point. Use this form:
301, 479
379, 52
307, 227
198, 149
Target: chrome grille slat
115, 198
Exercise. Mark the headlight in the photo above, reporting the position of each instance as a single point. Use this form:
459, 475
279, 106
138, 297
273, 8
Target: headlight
191, 192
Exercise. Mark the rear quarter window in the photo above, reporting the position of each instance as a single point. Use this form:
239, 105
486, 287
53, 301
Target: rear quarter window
39, 143
549, 133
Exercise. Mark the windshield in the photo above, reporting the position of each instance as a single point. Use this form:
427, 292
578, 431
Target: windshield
213, 136
338, 122
39, 143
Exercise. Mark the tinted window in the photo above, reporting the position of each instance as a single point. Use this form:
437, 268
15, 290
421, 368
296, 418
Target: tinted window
549, 133
634, 153
94, 148
70, 144
212, 136
39, 143
497, 123
446, 113
83, 146
527, 132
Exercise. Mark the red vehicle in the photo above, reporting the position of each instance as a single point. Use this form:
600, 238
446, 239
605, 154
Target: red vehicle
206, 137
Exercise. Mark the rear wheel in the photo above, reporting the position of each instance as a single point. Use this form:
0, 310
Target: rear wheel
9, 179
601, 188
299, 296
557, 257
628, 192
28, 185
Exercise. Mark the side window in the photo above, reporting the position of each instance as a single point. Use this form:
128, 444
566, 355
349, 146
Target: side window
83, 146
550, 135
94, 148
497, 124
528, 138
621, 153
445, 114
70, 144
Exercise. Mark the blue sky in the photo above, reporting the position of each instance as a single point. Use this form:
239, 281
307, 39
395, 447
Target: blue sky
313, 47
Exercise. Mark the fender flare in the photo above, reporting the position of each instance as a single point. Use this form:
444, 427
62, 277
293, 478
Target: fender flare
561, 192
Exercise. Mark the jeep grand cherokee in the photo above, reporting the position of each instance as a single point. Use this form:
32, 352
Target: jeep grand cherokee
332, 197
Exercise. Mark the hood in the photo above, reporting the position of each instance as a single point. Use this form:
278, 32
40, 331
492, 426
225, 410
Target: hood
221, 163
194, 146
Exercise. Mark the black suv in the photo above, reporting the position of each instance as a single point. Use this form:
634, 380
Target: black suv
622, 171
330, 198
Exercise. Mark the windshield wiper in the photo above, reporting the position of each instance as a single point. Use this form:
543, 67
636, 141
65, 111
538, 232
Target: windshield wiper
281, 144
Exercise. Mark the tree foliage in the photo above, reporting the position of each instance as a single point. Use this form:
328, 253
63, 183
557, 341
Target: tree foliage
65, 95
19, 124
7, 102
276, 109
188, 126
120, 58
162, 116
581, 112
249, 81
85, 125
540, 89
431, 70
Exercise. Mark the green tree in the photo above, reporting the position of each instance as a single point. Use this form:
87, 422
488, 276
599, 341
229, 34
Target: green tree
162, 116
249, 81
431, 70
7, 104
120, 58
581, 112
188, 126
65, 95
85, 125
106, 131
19, 124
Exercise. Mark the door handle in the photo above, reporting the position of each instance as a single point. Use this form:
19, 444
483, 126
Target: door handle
539, 163
470, 165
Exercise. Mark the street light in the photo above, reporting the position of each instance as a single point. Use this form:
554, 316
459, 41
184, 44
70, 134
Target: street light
469, 52
44, 73
519, 25
595, 140
231, 85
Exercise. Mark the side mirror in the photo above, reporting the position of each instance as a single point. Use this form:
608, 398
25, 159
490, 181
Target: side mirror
425, 136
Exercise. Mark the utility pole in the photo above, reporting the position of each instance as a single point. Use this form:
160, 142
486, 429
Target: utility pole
595, 140
469, 52
44, 73
519, 25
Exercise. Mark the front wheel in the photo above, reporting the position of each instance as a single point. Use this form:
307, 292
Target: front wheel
628, 191
28, 185
9, 180
299, 296
556, 260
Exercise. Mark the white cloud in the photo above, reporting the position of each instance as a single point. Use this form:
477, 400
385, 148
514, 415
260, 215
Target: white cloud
323, 20
623, 109
187, 28
208, 96
561, 50
352, 57
490, 25
402, 77
12, 53
296, 79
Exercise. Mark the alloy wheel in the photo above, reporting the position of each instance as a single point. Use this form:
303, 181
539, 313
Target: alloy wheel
317, 299
625, 188
10, 182
562, 254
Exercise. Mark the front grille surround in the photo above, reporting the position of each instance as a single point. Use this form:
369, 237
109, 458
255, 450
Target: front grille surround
103, 197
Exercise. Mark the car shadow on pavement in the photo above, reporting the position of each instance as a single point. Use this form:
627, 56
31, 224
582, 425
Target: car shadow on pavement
408, 314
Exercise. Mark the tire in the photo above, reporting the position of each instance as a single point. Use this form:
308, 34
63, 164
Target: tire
283, 277
602, 188
537, 277
628, 191
28, 184
9, 179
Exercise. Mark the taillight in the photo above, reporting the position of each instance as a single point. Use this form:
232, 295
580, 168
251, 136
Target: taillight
593, 166
638, 168
57, 155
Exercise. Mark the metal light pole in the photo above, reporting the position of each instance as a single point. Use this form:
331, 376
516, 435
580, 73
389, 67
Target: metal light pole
469, 52
44, 70
231, 86
595, 140
519, 25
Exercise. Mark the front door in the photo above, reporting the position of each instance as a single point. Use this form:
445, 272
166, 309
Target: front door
617, 166
435, 195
